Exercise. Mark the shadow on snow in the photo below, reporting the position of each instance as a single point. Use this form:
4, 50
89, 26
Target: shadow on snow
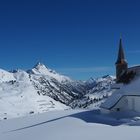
130, 118
95, 116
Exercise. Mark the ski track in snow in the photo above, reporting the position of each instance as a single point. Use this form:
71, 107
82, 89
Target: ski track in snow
27, 127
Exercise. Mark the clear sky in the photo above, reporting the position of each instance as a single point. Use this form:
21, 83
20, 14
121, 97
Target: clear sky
78, 38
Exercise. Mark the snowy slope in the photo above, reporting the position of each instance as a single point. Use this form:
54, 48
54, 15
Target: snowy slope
70, 125
19, 98
42, 89
97, 91
6, 76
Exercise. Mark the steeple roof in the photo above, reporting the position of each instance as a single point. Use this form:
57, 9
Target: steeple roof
121, 57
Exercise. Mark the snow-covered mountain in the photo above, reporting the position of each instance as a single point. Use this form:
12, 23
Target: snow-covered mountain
42, 89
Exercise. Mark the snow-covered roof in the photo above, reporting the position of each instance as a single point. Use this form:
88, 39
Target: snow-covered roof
131, 89
135, 68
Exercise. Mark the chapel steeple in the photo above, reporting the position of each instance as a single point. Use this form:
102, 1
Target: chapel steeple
121, 57
121, 64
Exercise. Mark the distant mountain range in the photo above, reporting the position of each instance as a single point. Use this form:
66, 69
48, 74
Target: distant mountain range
42, 89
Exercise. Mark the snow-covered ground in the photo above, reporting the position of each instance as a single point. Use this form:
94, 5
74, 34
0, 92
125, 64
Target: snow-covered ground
70, 125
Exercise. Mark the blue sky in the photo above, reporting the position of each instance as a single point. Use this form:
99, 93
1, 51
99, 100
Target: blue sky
78, 38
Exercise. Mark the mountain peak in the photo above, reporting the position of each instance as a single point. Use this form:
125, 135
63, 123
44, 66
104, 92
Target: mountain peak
39, 65
41, 69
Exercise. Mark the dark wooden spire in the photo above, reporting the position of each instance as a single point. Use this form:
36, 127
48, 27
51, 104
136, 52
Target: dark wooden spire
121, 57
121, 64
